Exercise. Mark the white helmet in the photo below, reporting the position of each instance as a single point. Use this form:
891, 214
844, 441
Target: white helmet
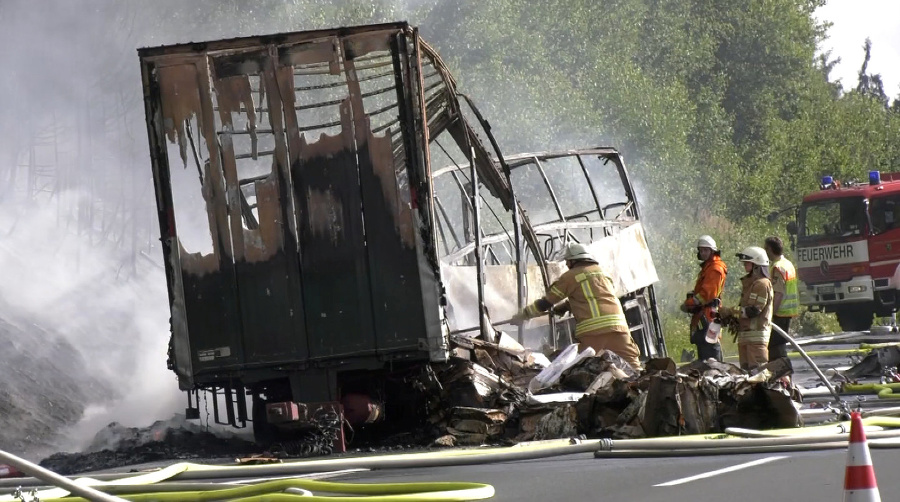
706, 241
755, 255
576, 251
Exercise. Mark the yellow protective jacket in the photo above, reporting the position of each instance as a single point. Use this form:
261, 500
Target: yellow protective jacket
709, 286
756, 292
784, 281
591, 298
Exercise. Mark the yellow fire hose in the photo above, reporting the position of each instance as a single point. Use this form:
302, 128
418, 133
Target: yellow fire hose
882, 390
138, 488
277, 490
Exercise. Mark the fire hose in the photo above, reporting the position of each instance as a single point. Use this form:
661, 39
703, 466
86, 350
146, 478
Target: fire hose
810, 362
136, 488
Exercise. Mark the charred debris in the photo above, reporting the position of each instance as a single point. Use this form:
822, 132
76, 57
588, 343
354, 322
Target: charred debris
495, 394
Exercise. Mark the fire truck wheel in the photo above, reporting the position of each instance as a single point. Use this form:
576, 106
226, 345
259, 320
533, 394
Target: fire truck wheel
858, 319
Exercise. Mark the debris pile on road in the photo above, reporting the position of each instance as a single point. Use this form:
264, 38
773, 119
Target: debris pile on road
499, 392
881, 361
502, 393
116, 445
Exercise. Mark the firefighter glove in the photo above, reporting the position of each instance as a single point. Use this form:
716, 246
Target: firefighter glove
561, 309
726, 312
751, 312
519, 318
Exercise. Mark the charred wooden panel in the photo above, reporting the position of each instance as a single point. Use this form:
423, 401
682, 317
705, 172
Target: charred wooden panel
211, 327
399, 309
332, 239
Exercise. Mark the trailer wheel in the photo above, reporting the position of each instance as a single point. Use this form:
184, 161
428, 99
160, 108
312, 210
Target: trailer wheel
855, 319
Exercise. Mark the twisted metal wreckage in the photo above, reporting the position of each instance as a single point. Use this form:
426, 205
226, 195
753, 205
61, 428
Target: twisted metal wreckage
334, 213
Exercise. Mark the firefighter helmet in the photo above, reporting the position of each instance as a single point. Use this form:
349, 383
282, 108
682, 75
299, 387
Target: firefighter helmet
706, 241
755, 255
576, 251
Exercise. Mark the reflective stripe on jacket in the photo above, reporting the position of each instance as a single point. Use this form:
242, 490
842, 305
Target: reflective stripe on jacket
790, 302
709, 286
756, 292
591, 300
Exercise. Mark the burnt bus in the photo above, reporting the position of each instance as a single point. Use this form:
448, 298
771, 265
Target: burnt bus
331, 209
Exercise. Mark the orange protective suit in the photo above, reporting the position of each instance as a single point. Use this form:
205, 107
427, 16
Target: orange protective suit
709, 286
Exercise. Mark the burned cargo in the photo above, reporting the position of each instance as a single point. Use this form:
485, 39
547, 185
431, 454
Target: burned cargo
332, 210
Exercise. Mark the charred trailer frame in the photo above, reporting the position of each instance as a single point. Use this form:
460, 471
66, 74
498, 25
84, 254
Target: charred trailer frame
581, 196
298, 216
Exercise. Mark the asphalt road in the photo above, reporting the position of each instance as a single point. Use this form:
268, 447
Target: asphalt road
804, 476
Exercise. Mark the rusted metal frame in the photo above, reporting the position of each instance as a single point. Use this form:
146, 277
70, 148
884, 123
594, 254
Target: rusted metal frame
333, 102
545, 227
415, 147
466, 196
518, 219
232, 185
584, 216
264, 153
520, 159
194, 154
587, 176
440, 226
553, 197
280, 39
496, 217
626, 181
340, 84
550, 190
429, 101
425, 141
247, 212
479, 263
494, 213
321, 70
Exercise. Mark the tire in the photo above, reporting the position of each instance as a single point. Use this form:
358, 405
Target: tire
859, 319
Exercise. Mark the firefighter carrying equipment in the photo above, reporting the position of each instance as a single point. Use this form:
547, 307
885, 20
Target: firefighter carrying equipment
790, 301
755, 255
706, 241
702, 300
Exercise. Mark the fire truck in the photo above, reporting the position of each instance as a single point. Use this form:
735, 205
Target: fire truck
848, 248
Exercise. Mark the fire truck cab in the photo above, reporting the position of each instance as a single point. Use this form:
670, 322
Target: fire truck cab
848, 248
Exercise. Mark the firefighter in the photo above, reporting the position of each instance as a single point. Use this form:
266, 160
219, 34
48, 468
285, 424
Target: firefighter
754, 313
586, 291
786, 302
704, 300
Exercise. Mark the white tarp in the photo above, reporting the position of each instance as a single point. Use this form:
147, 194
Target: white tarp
623, 256
626, 259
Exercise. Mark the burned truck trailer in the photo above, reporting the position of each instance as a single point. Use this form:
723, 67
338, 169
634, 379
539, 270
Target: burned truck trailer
312, 255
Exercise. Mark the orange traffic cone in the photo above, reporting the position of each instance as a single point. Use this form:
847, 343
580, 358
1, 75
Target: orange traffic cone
859, 480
